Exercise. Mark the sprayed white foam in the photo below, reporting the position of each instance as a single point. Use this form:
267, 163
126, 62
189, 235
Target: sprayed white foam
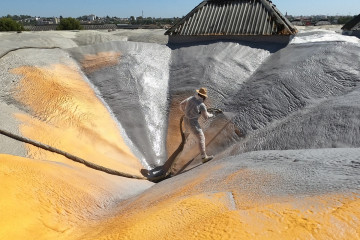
320, 35
154, 103
152, 74
123, 133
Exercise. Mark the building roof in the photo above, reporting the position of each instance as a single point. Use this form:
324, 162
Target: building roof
352, 25
233, 17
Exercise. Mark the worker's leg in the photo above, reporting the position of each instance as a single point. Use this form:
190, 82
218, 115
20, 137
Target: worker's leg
187, 127
201, 138
198, 132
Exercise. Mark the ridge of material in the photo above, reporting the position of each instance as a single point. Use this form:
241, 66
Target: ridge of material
233, 18
20, 48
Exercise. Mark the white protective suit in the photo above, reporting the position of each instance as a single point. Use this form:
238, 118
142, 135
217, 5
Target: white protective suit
194, 107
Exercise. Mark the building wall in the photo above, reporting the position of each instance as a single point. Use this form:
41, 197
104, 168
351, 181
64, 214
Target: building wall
352, 33
176, 39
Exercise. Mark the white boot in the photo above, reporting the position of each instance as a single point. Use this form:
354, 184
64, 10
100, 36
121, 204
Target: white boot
206, 158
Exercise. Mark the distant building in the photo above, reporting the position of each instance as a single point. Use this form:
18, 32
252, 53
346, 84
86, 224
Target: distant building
46, 21
91, 17
352, 27
335, 20
322, 22
127, 26
307, 21
297, 22
321, 17
52, 27
247, 20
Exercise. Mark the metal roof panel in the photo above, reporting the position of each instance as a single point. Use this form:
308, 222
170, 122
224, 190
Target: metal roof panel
233, 17
352, 25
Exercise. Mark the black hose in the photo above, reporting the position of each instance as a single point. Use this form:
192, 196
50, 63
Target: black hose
167, 167
70, 156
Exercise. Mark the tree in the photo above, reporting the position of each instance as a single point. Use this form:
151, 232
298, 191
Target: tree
345, 19
8, 24
69, 24
132, 20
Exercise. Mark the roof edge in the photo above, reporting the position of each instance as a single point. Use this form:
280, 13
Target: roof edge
279, 16
185, 17
352, 23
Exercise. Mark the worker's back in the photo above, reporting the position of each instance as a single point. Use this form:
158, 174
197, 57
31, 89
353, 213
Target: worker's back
193, 107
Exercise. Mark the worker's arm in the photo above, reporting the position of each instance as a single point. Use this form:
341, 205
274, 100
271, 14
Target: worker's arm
183, 105
204, 113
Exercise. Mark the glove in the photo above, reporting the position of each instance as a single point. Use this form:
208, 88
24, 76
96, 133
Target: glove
210, 115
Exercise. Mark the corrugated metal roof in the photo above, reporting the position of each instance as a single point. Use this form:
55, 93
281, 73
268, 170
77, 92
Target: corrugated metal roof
353, 25
233, 17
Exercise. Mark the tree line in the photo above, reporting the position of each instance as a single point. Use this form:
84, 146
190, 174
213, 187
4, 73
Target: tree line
8, 24
11, 22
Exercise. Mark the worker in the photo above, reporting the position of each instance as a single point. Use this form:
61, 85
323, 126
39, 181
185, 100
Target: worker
194, 107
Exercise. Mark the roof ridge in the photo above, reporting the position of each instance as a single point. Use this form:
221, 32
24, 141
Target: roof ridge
233, 17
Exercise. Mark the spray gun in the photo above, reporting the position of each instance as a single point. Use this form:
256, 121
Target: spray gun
214, 110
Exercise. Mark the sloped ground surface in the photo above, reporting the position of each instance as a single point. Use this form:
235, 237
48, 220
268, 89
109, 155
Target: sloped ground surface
309, 194
59, 106
45, 199
46, 97
135, 87
115, 103
317, 91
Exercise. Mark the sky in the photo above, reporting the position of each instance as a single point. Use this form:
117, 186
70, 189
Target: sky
160, 8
